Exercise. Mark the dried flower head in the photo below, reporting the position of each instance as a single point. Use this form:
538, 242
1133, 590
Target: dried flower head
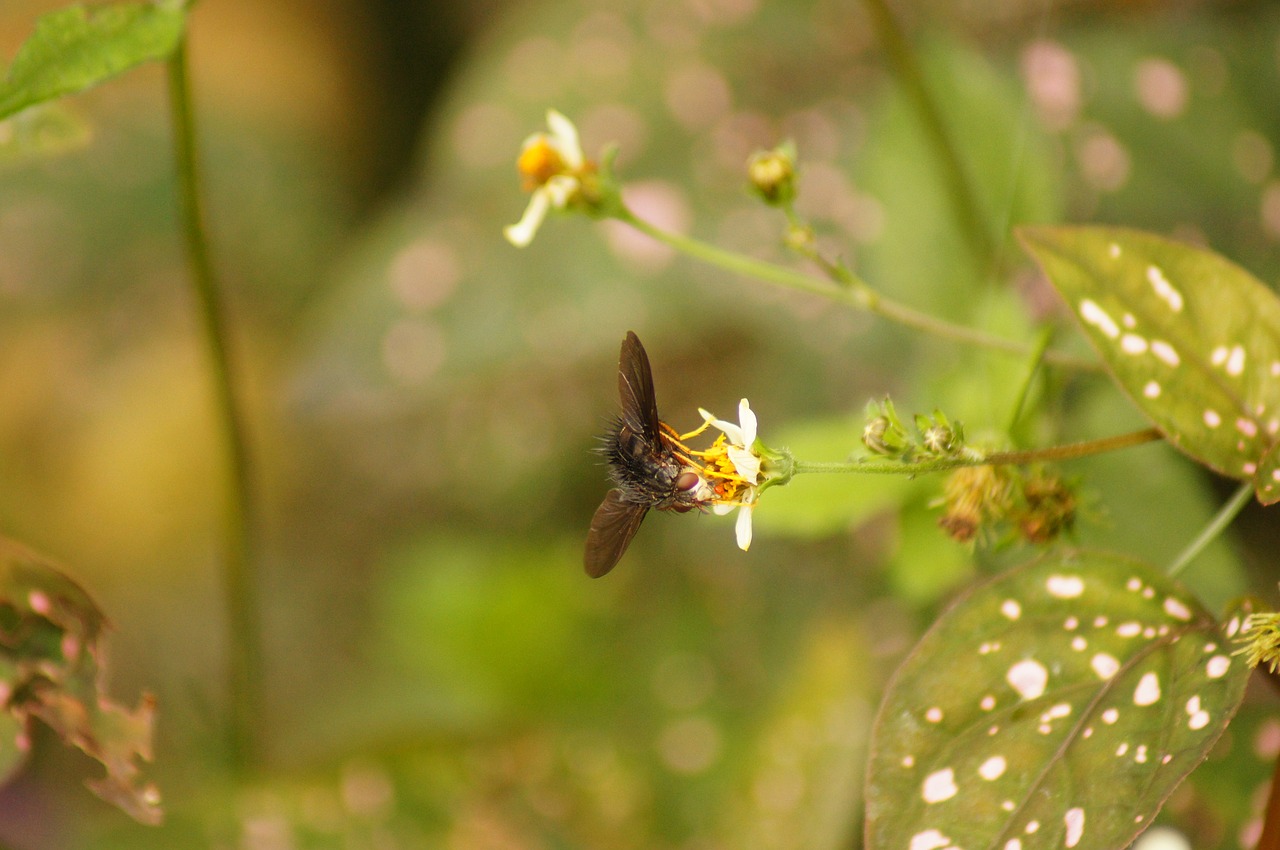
974, 499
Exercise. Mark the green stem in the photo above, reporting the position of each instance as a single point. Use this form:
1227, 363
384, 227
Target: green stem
1037, 358
1069, 451
1215, 527
856, 293
1072, 451
244, 661
968, 208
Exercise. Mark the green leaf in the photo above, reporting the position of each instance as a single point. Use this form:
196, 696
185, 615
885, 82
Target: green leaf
41, 132
73, 49
1056, 706
1193, 339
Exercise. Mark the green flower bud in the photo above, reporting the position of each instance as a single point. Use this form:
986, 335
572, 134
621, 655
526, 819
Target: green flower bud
938, 436
773, 174
884, 433
938, 439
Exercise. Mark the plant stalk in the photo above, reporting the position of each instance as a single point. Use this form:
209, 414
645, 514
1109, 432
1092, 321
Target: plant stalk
1220, 521
856, 293
1024, 390
968, 208
239, 588
1069, 451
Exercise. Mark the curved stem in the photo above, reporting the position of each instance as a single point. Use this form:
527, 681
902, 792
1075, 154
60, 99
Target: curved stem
857, 294
1221, 520
1019, 458
245, 674
750, 267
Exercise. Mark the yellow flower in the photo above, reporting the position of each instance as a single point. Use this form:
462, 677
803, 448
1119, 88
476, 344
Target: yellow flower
551, 167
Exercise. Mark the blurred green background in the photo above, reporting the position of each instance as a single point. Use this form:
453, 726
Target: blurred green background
423, 398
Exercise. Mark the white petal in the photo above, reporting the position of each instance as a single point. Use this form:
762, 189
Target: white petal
722, 508
745, 463
559, 189
733, 432
565, 135
742, 528
522, 232
748, 419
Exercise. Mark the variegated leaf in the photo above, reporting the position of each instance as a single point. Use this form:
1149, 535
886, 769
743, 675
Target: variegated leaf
1057, 706
1192, 338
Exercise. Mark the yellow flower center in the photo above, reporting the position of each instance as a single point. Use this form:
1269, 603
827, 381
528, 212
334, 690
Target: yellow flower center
714, 464
722, 475
538, 163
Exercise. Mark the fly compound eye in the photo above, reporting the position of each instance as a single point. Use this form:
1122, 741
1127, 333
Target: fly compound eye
687, 480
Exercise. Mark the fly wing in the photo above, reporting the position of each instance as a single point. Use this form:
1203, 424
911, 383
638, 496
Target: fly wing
612, 528
635, 389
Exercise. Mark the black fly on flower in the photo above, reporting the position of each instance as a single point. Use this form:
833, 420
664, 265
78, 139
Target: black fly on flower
652, 467
649, 464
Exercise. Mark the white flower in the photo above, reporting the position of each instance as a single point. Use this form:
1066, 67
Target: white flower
564, 140
551, 165
739, 442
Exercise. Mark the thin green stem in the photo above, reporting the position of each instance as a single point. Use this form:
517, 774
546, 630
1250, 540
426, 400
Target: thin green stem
244, 641
1221, 520
968, 208
1037, 358
856, 293
1069, 451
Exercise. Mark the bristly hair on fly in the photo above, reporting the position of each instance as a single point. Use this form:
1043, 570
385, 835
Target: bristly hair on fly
649, 465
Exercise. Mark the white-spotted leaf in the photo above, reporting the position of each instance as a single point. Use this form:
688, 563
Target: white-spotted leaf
1192, 338
1057, 706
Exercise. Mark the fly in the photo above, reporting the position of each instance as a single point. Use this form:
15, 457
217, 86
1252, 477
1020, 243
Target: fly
649, 465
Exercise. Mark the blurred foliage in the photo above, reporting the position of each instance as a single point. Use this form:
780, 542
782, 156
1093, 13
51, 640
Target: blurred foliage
76, 48
424, 399
52, 669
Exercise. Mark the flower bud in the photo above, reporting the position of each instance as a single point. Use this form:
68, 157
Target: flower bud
884, 433
773, 175
938, 439
873, 435
938, 436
